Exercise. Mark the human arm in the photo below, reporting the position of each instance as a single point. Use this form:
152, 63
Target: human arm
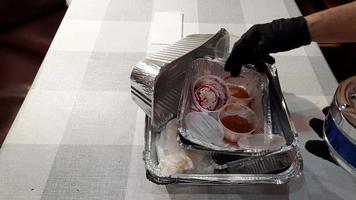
336, 24
333, 25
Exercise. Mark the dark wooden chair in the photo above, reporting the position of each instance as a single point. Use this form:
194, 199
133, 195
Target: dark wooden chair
27, 28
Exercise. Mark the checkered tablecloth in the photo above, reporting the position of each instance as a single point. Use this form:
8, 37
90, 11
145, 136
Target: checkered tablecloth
79, 135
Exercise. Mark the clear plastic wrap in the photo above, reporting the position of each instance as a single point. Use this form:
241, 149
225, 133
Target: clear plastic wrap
253, 104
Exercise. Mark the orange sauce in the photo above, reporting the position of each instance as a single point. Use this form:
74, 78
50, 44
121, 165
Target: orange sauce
237, 124
238, 92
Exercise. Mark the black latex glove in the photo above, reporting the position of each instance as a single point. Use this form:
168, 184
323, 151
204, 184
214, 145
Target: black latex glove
317, 147
260, 40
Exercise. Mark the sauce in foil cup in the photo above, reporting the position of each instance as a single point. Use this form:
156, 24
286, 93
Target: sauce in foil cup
237, 121
239, 94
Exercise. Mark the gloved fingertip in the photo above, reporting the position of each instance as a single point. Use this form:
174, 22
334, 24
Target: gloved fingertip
232, 66
229, 62
227, 67
235, 72
260, 66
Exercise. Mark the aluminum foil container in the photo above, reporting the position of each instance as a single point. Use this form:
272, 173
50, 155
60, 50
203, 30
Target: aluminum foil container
271, 163
156, 85
157, 81
274, 168
260, 105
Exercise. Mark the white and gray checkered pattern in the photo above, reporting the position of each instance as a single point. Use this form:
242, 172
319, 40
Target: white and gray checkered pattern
79, 135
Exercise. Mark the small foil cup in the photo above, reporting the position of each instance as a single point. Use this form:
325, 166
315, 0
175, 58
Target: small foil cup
237, 121
239, 94
210, 93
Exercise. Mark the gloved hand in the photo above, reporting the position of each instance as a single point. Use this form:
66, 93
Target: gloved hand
260, 40
317, 147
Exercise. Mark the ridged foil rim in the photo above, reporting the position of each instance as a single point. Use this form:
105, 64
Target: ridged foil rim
153, 173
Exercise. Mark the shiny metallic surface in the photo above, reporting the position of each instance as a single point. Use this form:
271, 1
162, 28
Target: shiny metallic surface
156, 86
251, 170
156, 82
261, 106
344, 108
260, 164
341, 149
342, 123
340, 126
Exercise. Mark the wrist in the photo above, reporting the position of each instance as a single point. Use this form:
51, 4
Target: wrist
312, 26
293, 32
302, 30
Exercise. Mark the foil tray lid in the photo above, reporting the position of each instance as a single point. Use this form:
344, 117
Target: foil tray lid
157, 81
